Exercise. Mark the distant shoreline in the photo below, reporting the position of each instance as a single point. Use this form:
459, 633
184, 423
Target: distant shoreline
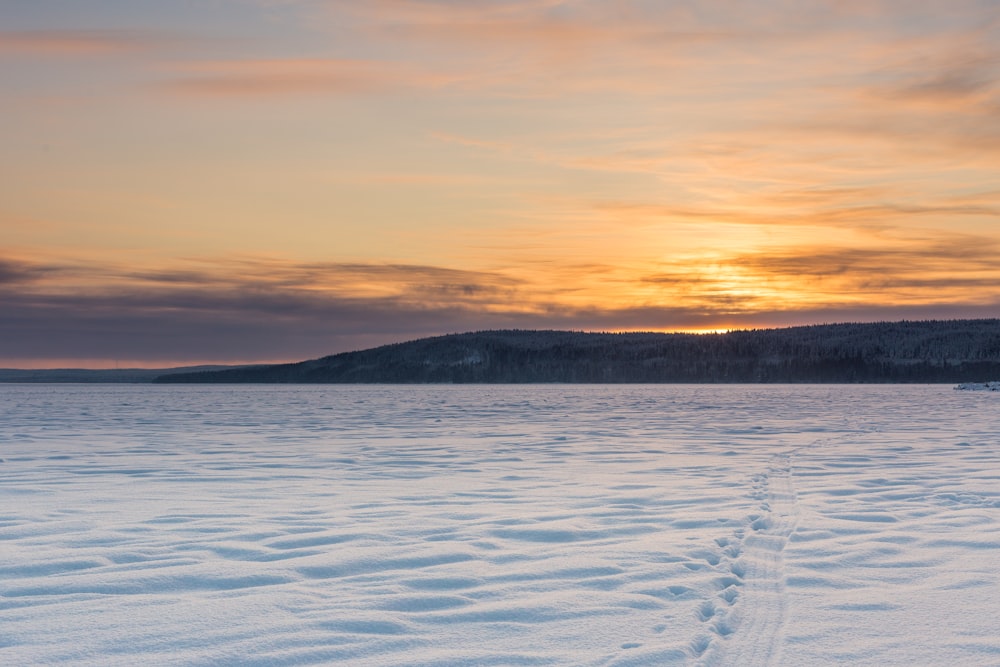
96, 376
924, 352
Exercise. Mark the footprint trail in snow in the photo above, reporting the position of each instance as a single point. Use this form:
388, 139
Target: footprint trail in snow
744, 622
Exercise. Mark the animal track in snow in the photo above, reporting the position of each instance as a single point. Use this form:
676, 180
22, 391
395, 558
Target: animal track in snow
745, 628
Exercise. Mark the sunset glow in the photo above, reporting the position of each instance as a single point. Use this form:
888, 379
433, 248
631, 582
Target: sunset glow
247, 180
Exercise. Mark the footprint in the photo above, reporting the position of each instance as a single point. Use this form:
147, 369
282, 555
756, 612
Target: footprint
723, 628
729, 594
727, 582
699, 645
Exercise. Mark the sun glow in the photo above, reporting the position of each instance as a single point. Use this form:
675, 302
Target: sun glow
326, 179
703, 331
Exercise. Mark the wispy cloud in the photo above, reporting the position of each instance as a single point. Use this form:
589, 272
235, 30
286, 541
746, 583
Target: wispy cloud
73, 43
955, 257
956, 270
19, 272
233, 310
537, 49
298, 76
853, 213
254, 308
551, 163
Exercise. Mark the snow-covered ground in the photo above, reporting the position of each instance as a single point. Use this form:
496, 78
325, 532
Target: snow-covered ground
979, 386
499, 525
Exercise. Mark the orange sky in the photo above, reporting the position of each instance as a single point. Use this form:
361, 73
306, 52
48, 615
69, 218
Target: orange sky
248, 180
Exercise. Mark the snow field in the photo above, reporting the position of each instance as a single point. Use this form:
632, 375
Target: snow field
628, 525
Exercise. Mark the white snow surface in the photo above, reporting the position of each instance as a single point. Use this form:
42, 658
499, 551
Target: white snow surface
979, 386
499, 525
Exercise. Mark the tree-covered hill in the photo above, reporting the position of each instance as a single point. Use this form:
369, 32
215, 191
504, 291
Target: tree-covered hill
931, 351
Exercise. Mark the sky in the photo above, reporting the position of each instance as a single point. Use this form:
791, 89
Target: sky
235, 181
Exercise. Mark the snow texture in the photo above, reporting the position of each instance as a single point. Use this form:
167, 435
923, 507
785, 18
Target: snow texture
499, 525
979, 386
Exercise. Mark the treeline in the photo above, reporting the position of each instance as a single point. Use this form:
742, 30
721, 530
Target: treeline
91, 376
929, 351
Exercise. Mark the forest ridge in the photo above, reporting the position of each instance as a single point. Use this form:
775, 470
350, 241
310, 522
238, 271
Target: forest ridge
881, 352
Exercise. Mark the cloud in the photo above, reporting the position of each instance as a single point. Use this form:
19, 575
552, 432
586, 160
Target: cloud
853, 214
186, 328
724, 161
962, 269
926, 272
449, 179
549, 25
539, 49
18, 272
966, 254
297, 76
258, 308
245, 309
74, 43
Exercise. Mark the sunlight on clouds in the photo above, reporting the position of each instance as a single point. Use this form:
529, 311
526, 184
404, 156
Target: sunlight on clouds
269, 303
422, 165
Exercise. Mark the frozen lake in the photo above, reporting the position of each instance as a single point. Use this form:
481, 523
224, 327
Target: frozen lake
499, 525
